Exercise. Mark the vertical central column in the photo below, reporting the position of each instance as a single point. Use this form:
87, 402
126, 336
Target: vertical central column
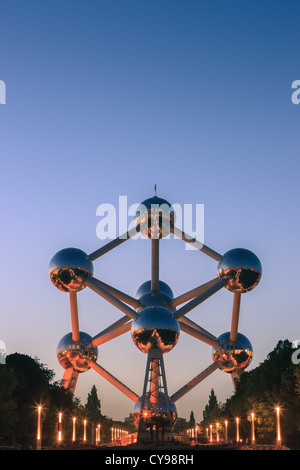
154, 381
154, 264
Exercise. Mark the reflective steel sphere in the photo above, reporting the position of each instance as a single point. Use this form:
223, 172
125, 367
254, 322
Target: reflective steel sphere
155, 327
233, 356
69, 268
155, 215
148, 298
76, 354
242, 268
151, 410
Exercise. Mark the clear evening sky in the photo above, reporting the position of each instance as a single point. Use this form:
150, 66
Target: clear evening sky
107, 98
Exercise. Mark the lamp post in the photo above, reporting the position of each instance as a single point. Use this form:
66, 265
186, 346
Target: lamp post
84, 430
59, 427
226, 430
237, 429
211, 436
74, 429
252, 429
278, 439
217, 432
39, 432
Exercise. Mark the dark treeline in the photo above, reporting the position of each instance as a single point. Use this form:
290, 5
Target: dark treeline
25, 383
275, 382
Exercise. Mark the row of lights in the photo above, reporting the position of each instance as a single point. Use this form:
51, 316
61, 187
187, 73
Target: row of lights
209, 431
59, 429
117, 433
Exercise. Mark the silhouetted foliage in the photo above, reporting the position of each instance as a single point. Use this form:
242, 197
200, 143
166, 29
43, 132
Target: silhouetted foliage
275, 382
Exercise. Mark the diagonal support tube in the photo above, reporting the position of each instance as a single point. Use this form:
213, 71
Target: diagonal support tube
111, 333
117, 293
196, 244
115, 382
92, 284
69, 380
195, 381
212, 341
235, 316
193, 293
114, 243
74, 316
200, 298
194, 325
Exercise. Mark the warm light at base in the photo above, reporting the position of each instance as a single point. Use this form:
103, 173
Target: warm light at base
211, 436
84, 430
253, 431
278, 425
38, 434
74, 430
237, 429
59, 427
226, 430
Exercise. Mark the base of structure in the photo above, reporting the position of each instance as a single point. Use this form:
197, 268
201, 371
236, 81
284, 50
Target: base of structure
160, 436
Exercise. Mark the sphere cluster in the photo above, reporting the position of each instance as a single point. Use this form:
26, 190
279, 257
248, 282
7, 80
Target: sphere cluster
151, 410
154, 217
76, 354
153, 325
69, 268
232, 356
242, 268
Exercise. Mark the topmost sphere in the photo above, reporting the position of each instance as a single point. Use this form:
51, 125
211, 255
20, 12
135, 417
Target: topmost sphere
242, 268
69, 268
154, 216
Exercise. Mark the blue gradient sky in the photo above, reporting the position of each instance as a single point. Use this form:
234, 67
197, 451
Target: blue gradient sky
107, 98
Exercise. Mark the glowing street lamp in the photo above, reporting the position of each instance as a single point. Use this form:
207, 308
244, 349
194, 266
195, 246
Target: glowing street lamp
98, 428
59, 427
84, 430
226, 430
39, 433
217, 432
278, 425
237, 429
74, 429
211, 436
112, 434
253, 431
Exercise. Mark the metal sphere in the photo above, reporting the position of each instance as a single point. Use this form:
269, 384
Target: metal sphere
242, 268
69, 268
148, 298
154, 409
154, 216
76, 354
233, 356
155, 327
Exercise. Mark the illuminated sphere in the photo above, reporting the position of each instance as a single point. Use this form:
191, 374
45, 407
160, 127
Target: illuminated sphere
233, 356
148, 298
242, 268
69, 268
76, 354
155, 327
154, 216
151, 409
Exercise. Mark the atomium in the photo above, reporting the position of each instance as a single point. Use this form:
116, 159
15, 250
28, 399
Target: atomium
155, 318
147, 410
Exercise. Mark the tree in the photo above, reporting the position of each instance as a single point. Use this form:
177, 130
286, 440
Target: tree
212, 410
8, 402
192, 420
93, 405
